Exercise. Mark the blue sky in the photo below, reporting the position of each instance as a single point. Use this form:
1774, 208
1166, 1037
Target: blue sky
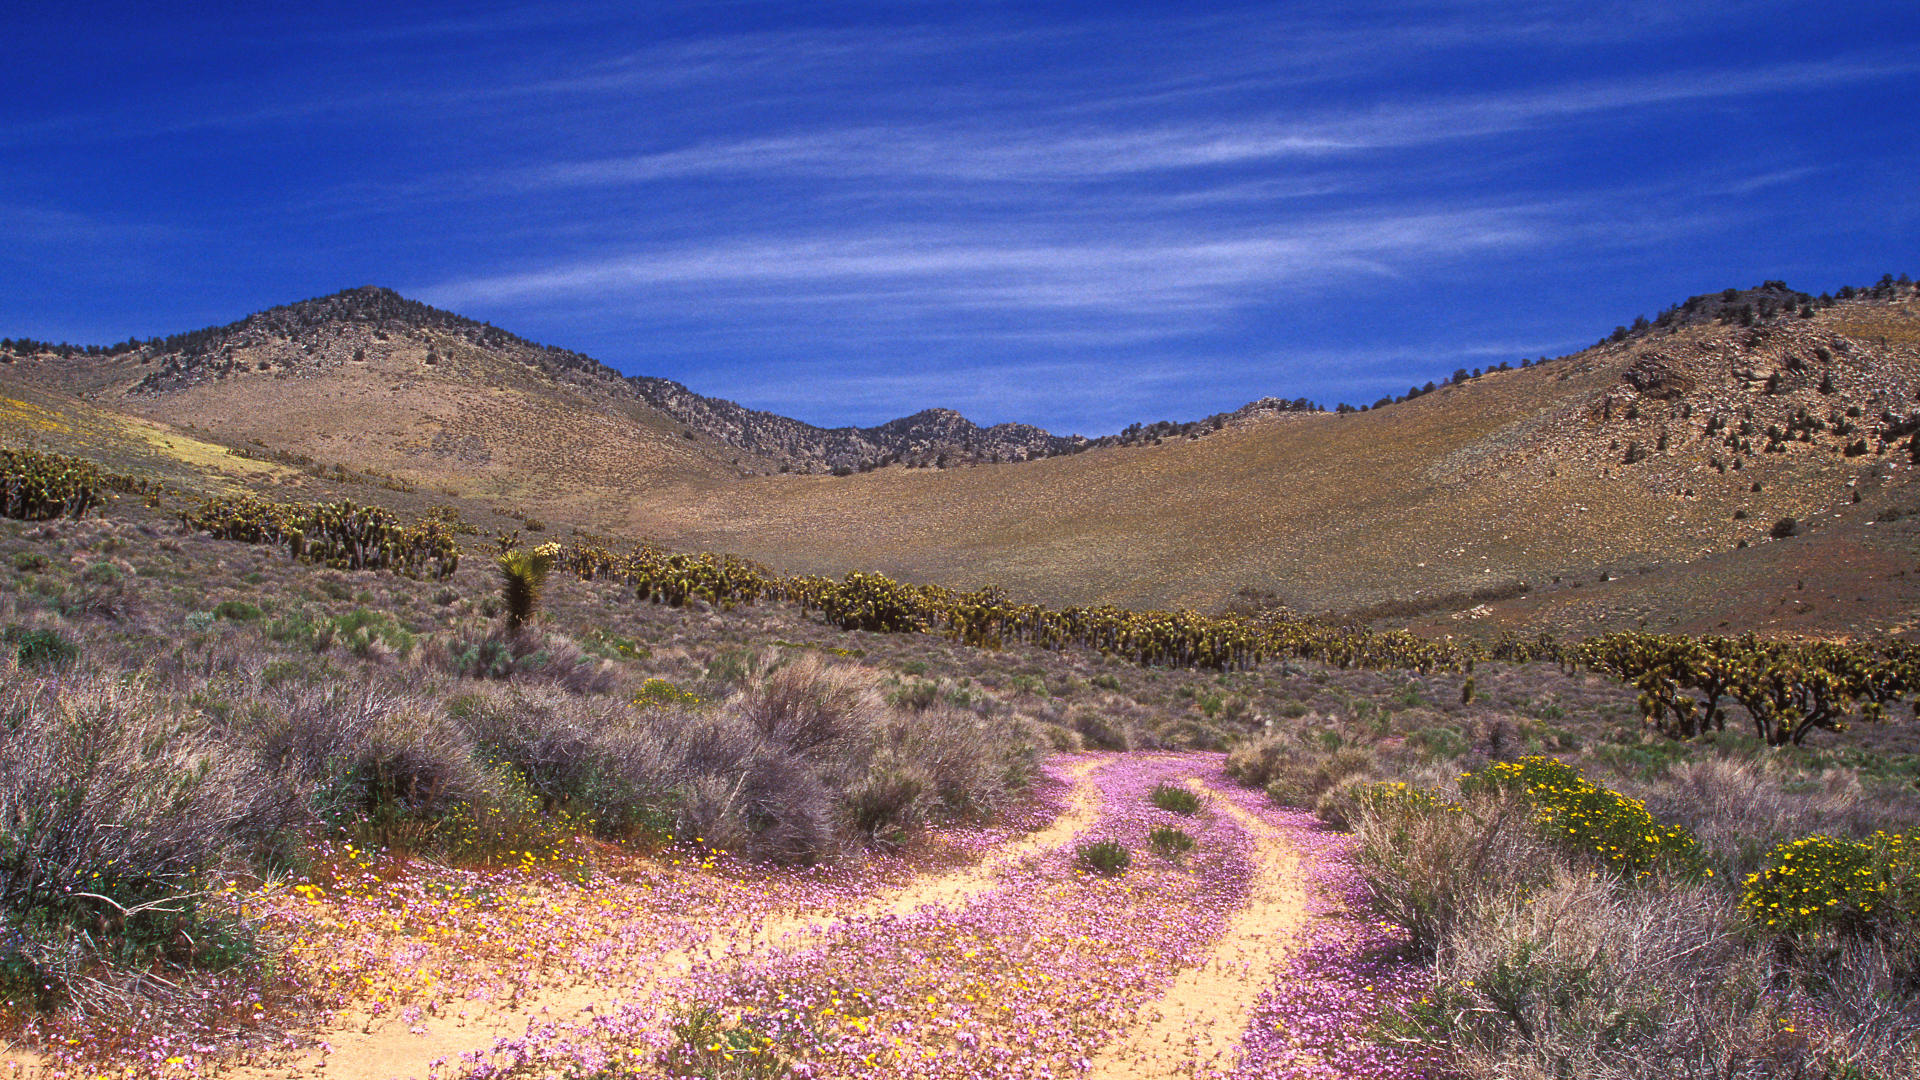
1071, 215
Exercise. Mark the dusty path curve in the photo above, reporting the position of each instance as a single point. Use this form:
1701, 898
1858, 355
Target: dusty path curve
1195, 1027
360, 1048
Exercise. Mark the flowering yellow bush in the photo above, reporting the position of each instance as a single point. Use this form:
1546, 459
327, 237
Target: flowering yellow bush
659, 693
1820, 883
1589, 820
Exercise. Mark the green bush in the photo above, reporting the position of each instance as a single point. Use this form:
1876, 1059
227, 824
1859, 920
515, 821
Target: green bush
364, 631
1175, 799
1439, 743
236, 611
1107, 857
1169, 841
40, 648
25, 561
1590, 821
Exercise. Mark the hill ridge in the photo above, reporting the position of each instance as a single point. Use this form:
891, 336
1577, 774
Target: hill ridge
930, 437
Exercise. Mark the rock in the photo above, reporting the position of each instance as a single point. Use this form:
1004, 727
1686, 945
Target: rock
1656, 376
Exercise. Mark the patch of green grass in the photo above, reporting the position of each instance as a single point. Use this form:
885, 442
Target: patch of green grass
610, 646
40, 648
1108, 857
1169, 841
237, 611
1175, 799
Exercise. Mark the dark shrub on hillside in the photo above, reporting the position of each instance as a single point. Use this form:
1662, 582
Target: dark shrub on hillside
39, 648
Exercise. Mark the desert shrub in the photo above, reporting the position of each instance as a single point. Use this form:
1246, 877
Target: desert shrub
372, 764
1256, 762
733, 667
658, 693
1101, 731
1580, 977
813, 709
367, 634
525, 658
114, 809
1339, 803
1603, 826
1175, 799
40, 647
589, 761
1429, 863
738, 790
1169, 841
885, 803
1850, 888
915, 694
1107, 857
973, 766
490, 657
1302, 779
611, 646
1439, 743
28, 561
1740, 810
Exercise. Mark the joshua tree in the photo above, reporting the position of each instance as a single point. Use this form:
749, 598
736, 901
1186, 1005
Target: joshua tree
522, 575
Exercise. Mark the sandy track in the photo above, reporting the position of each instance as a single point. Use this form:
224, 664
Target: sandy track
1195, 1027
360, 1047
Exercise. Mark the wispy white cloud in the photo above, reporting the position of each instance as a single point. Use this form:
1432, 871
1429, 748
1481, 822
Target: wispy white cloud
1087, 152
1145, 275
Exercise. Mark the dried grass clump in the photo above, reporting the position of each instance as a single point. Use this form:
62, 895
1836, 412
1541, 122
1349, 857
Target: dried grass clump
115, 806
810, 761
814, 709
1432, 866
1296, 773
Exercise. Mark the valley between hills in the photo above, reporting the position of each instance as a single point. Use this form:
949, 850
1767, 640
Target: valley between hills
1633, 484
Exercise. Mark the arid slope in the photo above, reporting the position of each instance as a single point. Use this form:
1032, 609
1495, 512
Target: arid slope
1515, 477
1647, 460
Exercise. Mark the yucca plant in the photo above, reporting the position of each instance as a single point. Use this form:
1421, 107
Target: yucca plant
522, 575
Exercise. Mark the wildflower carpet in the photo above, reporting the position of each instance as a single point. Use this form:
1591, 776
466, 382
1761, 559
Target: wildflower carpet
1227, 943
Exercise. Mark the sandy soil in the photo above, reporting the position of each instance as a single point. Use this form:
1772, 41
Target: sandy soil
1194, 1028
362, 1047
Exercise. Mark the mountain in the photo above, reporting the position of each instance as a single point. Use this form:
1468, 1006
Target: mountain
369, 323
1640, 480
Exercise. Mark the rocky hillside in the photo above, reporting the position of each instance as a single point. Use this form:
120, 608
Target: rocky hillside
929, 438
